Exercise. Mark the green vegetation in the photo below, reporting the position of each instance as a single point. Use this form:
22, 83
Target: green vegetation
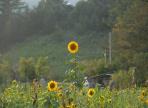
55, 50
68, 96
33, 46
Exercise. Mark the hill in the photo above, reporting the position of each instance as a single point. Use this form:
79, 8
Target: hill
55, 47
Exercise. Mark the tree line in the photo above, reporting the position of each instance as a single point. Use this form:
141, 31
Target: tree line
126, 19
18, 22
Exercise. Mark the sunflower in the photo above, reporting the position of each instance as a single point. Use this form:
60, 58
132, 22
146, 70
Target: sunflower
101, 99
52, 86
73, 47
143, 93
71, 106
109, 100
59, 95
14, 82
91, 92
146, 102
59, 89
68, 106
141, 98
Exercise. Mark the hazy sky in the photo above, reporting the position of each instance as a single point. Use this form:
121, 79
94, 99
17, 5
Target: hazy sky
35, 2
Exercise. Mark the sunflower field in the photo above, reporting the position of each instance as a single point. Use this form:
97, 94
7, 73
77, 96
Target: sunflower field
73, 53
70, 93
63, 95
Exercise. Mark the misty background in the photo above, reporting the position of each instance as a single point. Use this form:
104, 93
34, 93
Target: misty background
33, 3
112, 35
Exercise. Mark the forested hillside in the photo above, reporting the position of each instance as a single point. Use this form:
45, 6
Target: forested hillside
45, 30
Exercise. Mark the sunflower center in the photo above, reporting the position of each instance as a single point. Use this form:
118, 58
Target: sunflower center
52, 85
72, 46
91, 93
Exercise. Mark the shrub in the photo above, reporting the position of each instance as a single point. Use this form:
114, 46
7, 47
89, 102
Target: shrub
141, 64
5, 71
95, 67
26, 69
123, 79
30, 68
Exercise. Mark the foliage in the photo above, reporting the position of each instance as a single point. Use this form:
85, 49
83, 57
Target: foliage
96, 67
140, 61
5, 71
53, 22
124, 79
130, 36
7, 9
53, 46
17, 95
53, 16
93, 19
42, 67
74, 73
30, 68
26, 67
26, 70
14, 96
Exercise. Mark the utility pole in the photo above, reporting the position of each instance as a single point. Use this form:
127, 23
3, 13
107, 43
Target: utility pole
110, 48
105, 56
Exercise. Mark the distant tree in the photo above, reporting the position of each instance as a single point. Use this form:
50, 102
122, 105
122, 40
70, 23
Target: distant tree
50, 16
130, 38
7, 9
90, 16
117, 8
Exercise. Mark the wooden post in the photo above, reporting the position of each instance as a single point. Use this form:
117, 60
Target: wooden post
110, 48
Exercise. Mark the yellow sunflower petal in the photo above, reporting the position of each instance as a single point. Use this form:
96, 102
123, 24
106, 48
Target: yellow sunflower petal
52, 86
73, 47
91, 92
146, 102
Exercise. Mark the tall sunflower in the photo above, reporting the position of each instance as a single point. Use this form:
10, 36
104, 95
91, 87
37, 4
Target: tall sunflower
52, 86
73, 47
91, 92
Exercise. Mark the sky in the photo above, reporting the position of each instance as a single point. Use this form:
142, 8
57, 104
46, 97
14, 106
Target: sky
35, 2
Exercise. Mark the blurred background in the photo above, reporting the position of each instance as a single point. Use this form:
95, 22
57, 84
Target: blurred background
112, 36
